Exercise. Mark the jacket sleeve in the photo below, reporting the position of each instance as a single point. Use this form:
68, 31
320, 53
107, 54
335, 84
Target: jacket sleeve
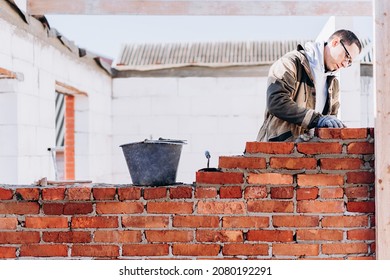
282, 90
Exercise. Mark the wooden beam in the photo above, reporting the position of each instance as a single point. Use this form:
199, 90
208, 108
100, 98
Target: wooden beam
382, 128
201, 7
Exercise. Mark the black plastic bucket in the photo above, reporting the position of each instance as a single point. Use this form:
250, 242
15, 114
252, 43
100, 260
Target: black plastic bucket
153, 162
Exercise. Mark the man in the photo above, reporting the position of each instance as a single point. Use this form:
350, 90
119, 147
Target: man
303, 90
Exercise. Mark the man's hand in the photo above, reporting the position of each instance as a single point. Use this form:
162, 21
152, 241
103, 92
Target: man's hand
330, 121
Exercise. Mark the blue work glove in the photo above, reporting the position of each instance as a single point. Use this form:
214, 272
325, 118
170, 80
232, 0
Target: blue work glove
330, 121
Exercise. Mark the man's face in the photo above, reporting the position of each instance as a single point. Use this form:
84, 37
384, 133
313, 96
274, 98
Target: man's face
339, 54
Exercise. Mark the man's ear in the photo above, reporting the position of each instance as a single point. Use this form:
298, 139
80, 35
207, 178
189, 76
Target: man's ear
335, 41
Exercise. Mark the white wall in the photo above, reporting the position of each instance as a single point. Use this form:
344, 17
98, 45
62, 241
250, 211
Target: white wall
215, 114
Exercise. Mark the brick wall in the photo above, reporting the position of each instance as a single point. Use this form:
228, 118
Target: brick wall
277, 201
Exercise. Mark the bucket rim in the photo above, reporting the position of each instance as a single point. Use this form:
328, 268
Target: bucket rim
159, 141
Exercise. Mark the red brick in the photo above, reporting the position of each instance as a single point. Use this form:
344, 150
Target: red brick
282, 192
79, 193
270, 206
307, 193
7, 252
180, 192
295, 221
315, 206
270, 178
196, 221
67, 236
53, 208
43, 250
230, 192
242, 162
145, 250
307, 180
319, 234
341, 163
360, 177
356, 192
195, 249
206, 192
118, 236
344, 248
145, 221
219, 178
295, 249
361, 234
328, 193
94, 222
353, 133
27, 193
217, 207
360, 148
105, 193
219, 236
19, 237
53, 193
46, 222
95, 251
329, 133
293, 163
8, 223
77, 208
245, 222
361, 206
119, 207
345, 221
169, 207
255, 192
169, 236
129, 193
19, 208
6, 194
319, 148
270, 235
269, 147
245, 249
155, 193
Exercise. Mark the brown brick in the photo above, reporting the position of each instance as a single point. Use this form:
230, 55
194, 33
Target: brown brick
129, 193
295, 221
180, 192
169, 207
341, 163
79, 193
77, 208
353, 133
19, 237
27, 193
196, 221
269, 147
360, 148
361, 206
95, 251
329, 133
8, 223
255, 192
230, 192
319, 234
282, 192
293, 163
119, 207
219, 236
361, 234
169, 236
270, 235
245, 222
270, 206
145, 221
53, 193
295, 249
219, 177
5, 194
329, 193
245, 249
319, 148
356, 192
315, 206
270, 178
155, 193
67, 236
242, 162
7, 252
360, 177
195, 249
19, 208
206, 192
43, 250
106, 193
46, 222
53, 208
94, 222
307, 193
344, 248
145, 250
217, 207
118, 236
307, 180
345, 221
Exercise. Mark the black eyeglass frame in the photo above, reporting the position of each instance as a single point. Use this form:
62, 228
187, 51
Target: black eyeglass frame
348, 56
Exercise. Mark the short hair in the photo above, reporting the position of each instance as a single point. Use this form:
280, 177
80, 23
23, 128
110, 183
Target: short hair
348, 38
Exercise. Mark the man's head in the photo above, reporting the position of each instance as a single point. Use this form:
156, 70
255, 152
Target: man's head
341, 49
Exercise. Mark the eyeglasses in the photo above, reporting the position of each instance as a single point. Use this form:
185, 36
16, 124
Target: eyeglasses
348, 57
